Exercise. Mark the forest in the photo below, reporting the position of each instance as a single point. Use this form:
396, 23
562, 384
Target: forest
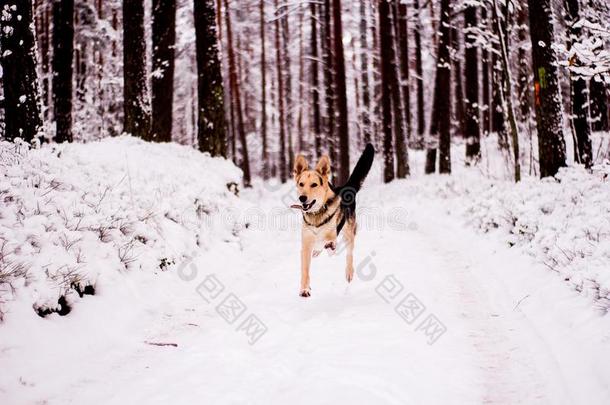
258, 81
304, 201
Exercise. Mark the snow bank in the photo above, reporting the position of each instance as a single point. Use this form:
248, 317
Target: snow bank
72, 212
562, 222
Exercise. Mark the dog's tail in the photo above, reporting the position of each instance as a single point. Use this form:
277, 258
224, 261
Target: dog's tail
354, 183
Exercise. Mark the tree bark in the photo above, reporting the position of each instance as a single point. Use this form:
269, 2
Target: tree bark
485, 82
136, 103
264, 154
241, 131
551, 145
473, 132
443, 81
287, 74
419, 80
342, 119
402, 45
506, 89
315, 82
280, 96
20, 83
365, 118
163, 41
579, 93
329, 83
599, 104
385, 43
459, 110
63, 48
211, 120
393, 71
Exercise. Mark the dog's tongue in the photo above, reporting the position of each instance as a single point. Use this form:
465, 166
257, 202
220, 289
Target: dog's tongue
297, 206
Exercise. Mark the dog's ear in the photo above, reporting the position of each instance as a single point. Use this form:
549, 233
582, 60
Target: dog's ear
300, 165
323, 166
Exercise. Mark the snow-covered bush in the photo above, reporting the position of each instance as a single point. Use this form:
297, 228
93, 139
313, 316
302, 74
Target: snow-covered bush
70, 213
563, 222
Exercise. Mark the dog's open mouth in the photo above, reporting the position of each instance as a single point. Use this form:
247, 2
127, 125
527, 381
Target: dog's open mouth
307, 207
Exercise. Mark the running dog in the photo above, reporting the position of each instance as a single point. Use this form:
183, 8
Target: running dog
327, 210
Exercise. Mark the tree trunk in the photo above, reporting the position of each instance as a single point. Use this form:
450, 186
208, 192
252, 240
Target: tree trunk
578, 92
459, 110
163, 41
315, 82
342, 121
599, 104
20, 82
63, 47
280, 96
387, 55
365, 118
402, 45
523, 81
402, 161
506, 89
443, 81
419, 80
265, 154
473, 134
211, 120
287, 74
241, 132
551, 145
486, 107
329, 83
135, 104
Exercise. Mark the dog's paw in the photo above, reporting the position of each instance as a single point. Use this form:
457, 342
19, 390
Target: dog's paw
349, 274
305, 292
331, 247
316, 253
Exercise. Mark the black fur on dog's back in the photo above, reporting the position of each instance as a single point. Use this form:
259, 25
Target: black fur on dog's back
348, 191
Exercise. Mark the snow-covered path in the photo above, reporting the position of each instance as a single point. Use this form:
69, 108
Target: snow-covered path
504, 340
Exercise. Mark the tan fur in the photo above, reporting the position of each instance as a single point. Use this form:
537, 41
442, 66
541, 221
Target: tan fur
314, 236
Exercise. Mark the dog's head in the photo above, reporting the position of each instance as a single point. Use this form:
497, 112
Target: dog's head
312, 185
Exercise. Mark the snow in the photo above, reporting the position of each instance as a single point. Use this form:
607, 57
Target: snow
508, 329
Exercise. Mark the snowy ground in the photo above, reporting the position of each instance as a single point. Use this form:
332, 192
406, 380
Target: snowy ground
437, 314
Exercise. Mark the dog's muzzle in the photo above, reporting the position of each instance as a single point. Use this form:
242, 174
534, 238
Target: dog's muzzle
307, 207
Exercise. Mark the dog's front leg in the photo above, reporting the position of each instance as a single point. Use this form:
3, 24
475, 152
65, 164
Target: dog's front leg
306, 249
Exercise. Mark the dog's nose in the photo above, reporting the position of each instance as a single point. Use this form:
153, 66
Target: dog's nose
303, 198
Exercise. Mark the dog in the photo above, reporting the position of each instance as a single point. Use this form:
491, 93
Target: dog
327, 210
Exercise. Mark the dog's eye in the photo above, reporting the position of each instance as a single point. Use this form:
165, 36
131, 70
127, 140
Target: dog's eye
301, 184
314, 185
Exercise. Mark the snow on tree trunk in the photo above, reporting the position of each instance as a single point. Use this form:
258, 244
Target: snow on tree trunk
163, 41
551, 145
20, 83
136, 104
211, 120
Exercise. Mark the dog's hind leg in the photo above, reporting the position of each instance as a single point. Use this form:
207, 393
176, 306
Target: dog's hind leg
349, 236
